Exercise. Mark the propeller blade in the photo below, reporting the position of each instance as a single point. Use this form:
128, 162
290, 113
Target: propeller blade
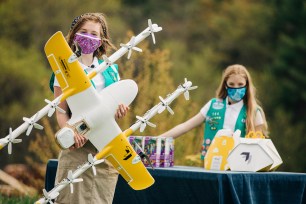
71, 188
77, 180
10, 140
70, 175
153, 38
9, 148
162, 100
92, 164
142, 127
53, 106
51, 112
164, 106
60, 109
192, 88
37, 126
129, 54
137, 49
186, 95
151, 124
17, 140
139, 118
151, 30
29, 130
170, 110
150, 24
99, 161
32, 123
90, 158
94, 170
123, 45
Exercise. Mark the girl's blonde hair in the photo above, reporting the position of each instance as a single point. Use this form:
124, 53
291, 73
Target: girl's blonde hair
79, 21
250, 99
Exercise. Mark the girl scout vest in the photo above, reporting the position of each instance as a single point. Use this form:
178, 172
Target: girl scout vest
110, 76
215, 119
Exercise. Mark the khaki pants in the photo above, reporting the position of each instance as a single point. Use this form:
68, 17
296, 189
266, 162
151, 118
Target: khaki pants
97, 189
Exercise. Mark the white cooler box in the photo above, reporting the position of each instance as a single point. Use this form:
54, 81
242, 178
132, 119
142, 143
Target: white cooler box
254, 155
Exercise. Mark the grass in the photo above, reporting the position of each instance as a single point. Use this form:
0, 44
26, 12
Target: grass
17, 200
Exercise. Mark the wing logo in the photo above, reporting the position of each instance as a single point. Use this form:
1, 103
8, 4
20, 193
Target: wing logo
128, 153
247, 156
65, 67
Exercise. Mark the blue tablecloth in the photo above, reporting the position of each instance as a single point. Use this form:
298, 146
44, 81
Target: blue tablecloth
195, 185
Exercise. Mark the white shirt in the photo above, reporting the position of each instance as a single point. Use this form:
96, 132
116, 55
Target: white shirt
98, 80
231, 114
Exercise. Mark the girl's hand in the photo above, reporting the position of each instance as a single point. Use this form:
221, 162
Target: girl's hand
121, 111
79, 141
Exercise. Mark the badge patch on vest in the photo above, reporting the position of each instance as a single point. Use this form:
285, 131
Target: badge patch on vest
217, 105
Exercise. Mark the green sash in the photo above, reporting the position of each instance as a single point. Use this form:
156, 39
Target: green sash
215, 119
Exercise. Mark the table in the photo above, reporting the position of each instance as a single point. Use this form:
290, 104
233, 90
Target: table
182, 184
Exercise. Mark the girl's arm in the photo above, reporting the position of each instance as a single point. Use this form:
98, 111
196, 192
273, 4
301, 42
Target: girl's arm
62, 118
184, 127
261, 123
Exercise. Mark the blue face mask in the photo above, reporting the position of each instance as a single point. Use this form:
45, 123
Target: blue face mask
236, 94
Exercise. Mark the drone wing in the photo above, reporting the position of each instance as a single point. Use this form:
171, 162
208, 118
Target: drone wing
68, 71
127, 162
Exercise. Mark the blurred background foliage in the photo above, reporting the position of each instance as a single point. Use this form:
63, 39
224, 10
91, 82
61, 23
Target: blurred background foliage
199, 39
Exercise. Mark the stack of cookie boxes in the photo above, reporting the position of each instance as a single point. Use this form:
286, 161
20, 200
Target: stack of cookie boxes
160, 150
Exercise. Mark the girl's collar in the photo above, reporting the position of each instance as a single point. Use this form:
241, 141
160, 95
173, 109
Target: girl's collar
94, 64
238, 104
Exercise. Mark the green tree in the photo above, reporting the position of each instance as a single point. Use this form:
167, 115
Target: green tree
288, 81
23, 81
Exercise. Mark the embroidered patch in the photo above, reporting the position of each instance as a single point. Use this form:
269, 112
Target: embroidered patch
217, 105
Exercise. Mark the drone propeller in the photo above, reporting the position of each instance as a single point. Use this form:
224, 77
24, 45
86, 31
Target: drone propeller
107, 60
152, 30
131, 46
49, 198
53, 106
70, 180
10, 141
92, 163
144, 123
187, 86
32, 123
164, 106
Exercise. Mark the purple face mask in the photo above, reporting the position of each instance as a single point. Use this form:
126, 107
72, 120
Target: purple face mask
87, 42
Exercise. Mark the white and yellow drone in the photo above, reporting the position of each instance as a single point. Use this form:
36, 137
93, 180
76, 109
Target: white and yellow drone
96, 121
